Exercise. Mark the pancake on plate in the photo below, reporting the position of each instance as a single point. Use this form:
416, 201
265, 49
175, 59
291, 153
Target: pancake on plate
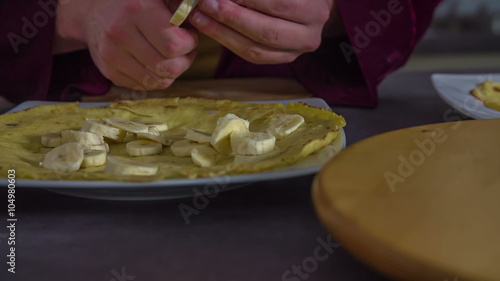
156, 139
489, 93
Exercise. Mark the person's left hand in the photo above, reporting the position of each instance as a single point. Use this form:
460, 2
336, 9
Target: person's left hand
264, 31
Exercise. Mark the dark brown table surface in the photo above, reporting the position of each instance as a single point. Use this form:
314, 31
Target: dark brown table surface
258, 232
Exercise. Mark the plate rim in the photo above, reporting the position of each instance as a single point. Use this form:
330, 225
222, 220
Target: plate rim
440, 79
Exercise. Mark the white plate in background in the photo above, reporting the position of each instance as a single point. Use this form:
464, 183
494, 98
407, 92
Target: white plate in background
455, 89
178, 188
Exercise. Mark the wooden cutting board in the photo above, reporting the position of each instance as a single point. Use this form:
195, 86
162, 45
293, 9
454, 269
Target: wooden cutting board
241, 89
421, 203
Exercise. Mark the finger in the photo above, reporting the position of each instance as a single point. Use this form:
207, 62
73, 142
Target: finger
239, 44
170, 40
112, 59
144, 52
262, 28
300, 11
173, 68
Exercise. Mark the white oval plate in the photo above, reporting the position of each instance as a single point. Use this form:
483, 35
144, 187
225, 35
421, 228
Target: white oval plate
179, 188
455, 89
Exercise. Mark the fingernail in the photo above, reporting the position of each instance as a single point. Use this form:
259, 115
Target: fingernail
210, 6
199, 19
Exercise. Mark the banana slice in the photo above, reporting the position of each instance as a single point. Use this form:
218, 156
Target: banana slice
123, 166
252, 143
99, 126
225, 127
183, 11
143, 148
204, 156
241, 159
66, 157
182, 148
198, 136
285, 125
129, 137
81, 137
157, 138
104, 147
93, 158
127, 125
51, 140
156, 126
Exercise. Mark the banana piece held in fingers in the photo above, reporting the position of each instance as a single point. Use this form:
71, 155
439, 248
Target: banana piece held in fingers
225, 127
123, 166
52, 139
182, 148
99, 126
127, 125
198, 136
204, 156
183, 11
81, 137
143, 148
93, 158
285, 125
66, 157
252, 143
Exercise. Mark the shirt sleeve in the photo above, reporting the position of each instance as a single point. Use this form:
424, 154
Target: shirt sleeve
380, 36
28, 70
26, 34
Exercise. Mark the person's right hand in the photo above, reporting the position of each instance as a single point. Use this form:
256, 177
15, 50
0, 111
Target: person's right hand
131, 41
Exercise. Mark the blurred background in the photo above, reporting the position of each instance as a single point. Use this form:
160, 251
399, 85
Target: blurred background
464, 34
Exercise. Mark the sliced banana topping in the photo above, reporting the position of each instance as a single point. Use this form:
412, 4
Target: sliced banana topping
285, 125
241, 159
124, 166
104, 147
182, 148
99, 126
81, 137
52, 140
156, 126
252, 143
127, 125
143, 148
204, 156
157, 138
225, 127
183, 11
66, 157
93, 158
198, 136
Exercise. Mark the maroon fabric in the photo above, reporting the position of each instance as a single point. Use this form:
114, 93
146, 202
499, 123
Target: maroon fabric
381, 35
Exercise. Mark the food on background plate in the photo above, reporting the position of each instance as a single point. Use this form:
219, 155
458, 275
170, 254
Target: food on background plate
157, 139
489, 93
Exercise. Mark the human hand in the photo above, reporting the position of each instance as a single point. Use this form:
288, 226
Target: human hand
264, 31
131, 41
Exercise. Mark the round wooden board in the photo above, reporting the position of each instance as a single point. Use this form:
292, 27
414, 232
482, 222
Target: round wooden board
421, 203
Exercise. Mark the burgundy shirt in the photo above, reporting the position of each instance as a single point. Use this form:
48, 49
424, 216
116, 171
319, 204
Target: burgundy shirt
380, 36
